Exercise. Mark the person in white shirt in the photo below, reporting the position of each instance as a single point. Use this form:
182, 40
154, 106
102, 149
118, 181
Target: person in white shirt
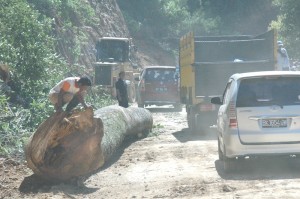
283, 61
69, 91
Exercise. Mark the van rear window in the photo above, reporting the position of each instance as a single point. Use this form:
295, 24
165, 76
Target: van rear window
160, 75
280, 91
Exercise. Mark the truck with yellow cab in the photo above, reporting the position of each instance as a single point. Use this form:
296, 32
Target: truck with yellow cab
207, 62
113, 55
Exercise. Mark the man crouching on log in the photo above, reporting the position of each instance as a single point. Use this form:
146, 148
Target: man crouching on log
70, 90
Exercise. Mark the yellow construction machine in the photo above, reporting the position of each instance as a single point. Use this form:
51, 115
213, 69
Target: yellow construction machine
113, 55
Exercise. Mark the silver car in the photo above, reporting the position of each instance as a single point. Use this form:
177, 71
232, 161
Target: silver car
259, 115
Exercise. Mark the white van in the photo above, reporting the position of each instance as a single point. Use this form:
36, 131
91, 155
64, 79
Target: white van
259, 115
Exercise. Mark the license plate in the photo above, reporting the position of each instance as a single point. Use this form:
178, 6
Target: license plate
274, 123
161, 89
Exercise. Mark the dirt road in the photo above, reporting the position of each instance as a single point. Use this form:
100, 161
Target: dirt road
172, 163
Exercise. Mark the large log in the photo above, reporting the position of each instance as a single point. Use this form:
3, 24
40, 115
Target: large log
68, 146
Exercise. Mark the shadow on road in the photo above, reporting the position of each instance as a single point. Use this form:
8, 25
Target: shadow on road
262, 169
186, 135
35, 184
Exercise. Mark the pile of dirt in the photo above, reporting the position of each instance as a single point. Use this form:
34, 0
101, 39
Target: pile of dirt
12, 172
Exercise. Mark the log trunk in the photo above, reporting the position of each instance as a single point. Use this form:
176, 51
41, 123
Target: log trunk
68, 146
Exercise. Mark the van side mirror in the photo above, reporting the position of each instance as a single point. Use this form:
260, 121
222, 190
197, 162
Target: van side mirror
216, 100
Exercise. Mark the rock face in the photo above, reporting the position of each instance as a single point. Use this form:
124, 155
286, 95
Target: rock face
67, 146
109, 23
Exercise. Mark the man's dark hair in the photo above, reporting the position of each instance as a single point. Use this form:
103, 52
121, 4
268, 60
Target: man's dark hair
120, 73
85, 81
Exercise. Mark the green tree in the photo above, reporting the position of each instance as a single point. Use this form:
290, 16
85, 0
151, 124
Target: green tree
26, 45
288, 25
205, 17
240, 16
144, 16
164, 18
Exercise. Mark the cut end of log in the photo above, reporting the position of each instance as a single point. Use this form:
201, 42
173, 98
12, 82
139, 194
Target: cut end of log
66, 146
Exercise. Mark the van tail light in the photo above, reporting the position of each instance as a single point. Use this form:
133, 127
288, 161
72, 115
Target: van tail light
142, 83
232, 115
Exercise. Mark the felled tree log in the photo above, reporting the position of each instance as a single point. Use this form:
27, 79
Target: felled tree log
64, 147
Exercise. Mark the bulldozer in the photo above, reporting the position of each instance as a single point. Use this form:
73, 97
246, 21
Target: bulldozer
113, 55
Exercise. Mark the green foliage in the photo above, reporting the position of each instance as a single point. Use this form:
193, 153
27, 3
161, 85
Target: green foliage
175, 13
27, 45
14, 132
205, 17
99, 97
17, 123
288, 25
77, 12
143, 14
5, 110
68, 19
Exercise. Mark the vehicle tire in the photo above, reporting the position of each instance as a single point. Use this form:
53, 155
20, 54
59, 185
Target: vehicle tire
221, 155
191, 120
197, 124
204, 121
178, 107
229, 164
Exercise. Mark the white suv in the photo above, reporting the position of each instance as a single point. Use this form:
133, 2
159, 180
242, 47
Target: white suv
259, 115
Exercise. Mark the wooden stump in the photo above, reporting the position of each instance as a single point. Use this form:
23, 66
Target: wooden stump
64, 146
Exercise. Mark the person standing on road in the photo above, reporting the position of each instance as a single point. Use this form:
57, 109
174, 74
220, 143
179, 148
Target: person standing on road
121, 88
69, 91
283, 61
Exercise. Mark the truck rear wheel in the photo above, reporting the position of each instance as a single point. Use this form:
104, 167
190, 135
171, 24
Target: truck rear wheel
178, 107
206, 119
191, 120
200, 121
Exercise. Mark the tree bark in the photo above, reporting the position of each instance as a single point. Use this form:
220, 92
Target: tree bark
68, 146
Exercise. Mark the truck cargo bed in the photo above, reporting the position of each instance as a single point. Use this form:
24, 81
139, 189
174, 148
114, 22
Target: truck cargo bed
211, 78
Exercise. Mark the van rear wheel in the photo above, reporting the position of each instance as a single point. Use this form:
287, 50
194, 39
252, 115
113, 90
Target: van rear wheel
229, 164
